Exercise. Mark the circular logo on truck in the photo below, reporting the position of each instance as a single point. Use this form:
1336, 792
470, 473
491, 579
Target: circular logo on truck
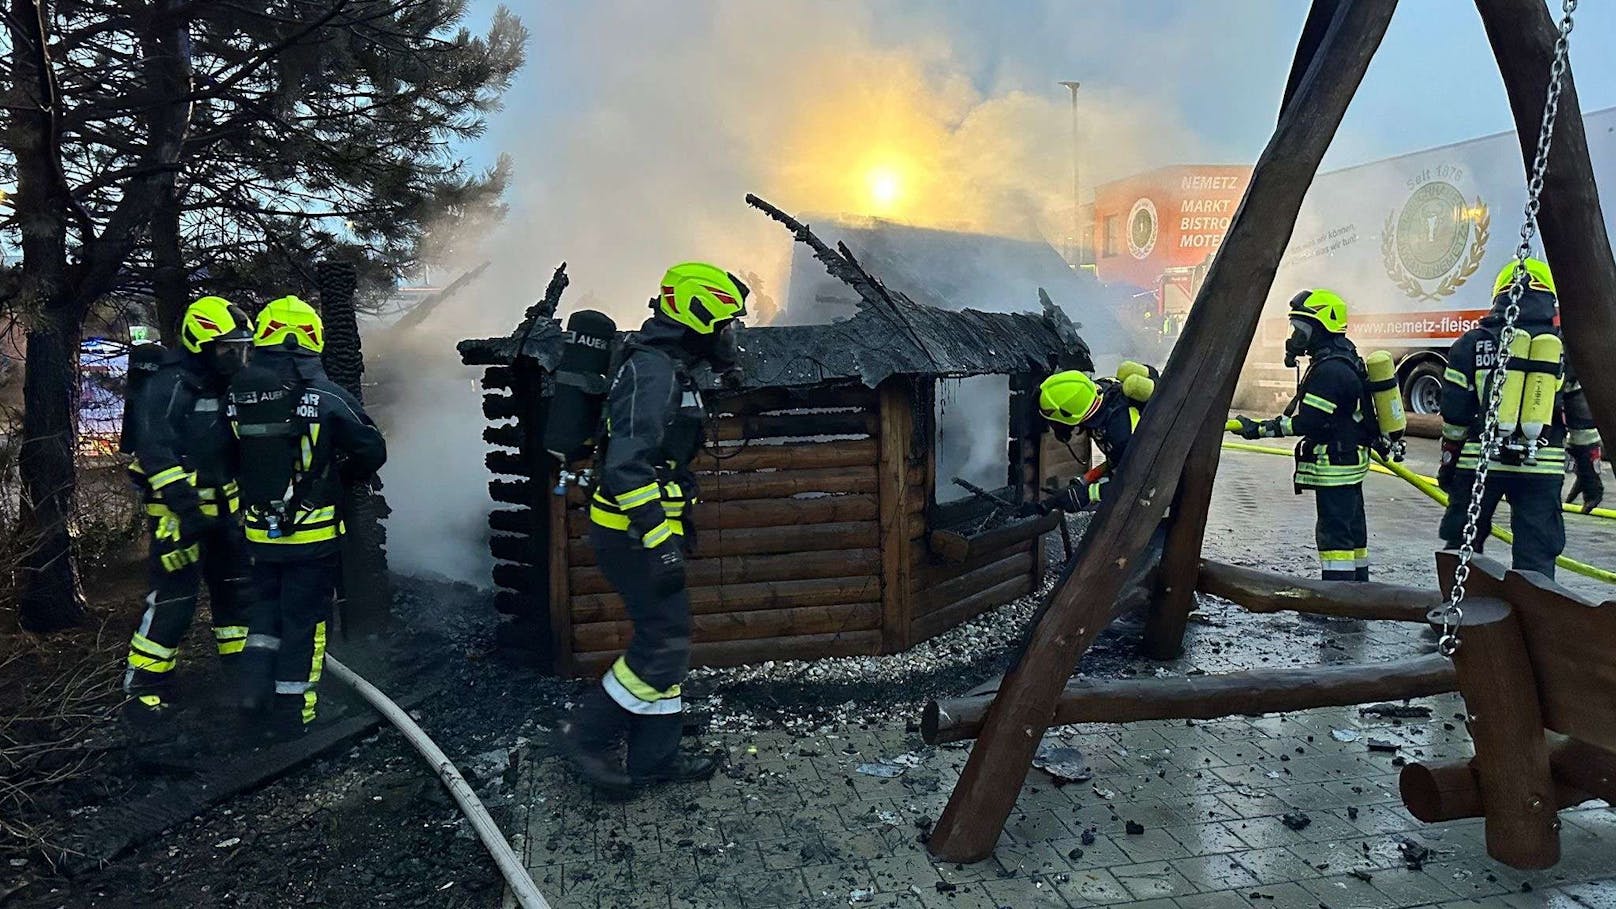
1435, 237
1142, 228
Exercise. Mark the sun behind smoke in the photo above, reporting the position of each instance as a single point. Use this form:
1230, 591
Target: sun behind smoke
886, 189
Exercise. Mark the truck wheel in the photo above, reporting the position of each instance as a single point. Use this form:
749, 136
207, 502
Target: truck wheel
1422, 390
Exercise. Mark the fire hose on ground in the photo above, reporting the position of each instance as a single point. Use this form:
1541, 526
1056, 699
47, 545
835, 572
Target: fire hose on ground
516, 876
1428, 486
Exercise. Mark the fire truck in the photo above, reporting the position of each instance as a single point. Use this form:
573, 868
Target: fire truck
1412, 242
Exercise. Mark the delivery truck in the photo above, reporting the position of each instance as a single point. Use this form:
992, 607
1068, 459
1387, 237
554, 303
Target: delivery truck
1413, 243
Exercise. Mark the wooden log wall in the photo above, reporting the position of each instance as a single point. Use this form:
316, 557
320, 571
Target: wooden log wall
515, 403
788, 560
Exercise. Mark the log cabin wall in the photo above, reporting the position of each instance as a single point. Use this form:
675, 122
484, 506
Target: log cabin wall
999, 566
788, 561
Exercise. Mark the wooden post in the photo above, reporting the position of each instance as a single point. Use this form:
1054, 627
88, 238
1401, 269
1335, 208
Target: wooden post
1522, 36
1250, 693
896, 438
1198, 383
1512, 759
1169, 614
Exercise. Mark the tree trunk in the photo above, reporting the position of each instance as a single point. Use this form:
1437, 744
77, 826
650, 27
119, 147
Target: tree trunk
49, 585
168, 68
171, 284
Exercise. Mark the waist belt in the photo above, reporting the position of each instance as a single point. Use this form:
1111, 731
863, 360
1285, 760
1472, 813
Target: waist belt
305, 525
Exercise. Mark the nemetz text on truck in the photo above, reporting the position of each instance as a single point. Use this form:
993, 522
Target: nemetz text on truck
1413, 244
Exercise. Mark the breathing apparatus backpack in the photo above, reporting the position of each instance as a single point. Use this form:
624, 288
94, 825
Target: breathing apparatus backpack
270, 416
1138, 381
573, 428
1384, 399
1532, 374
145, 358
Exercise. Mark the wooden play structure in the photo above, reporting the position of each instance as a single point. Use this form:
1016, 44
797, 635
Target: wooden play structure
819, 531
1535, 664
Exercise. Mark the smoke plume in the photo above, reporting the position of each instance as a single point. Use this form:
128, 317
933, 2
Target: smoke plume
666, 115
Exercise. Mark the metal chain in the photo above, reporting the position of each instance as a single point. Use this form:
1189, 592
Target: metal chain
1452, 612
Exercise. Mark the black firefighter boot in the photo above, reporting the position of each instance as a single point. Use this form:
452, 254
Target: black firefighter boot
255, 675
588, 738
654, 755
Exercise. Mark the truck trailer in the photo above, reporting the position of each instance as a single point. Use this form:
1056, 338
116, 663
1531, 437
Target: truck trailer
1412, 243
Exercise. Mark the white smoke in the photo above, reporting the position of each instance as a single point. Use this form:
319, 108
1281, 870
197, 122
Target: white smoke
657, 119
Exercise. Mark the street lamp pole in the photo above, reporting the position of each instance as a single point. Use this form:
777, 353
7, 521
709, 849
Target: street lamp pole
1077, 204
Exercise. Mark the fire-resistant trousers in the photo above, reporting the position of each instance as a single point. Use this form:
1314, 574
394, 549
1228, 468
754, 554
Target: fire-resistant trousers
171, 604
1534, 515
639, 695
1342, 533
286, 631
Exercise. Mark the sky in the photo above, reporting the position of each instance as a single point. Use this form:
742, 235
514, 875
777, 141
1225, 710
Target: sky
1219, 65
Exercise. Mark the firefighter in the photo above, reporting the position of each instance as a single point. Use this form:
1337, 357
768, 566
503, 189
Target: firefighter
639, 512
185, 466
302, 439
1108, 410
1544, 416
1331, 414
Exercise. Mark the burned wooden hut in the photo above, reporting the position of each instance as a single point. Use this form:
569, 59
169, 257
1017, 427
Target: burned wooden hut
819, 530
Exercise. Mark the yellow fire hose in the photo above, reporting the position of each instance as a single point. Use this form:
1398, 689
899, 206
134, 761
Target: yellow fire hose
1428, 486
1608, 514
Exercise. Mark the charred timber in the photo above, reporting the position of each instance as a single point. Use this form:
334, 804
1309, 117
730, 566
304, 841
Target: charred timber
958, 548
796, 426
784, 483
1209, 697
511, 464
750, 513
501, 407
514, 520
511, 492
522, 549
506, 436
940, 620
498, 378
1264, 591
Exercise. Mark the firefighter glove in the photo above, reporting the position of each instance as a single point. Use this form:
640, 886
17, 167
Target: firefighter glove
667, 569
1590, 486
175, 548
1449, 467
1248, 429
644, 521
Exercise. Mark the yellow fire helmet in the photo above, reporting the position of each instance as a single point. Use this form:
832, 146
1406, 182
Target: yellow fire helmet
699, 296
1322, 306
1068, 398
213, 320
1538, 277
290, 319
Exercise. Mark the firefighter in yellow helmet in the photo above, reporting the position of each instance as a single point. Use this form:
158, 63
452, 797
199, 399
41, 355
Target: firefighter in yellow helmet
1107, 409
1332, 415
1547, 419
640, 513
302, 438
185, 466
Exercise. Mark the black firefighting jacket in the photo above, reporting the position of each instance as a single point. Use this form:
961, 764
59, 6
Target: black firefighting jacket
1329, 415
184, 454
654, 419
1465, 390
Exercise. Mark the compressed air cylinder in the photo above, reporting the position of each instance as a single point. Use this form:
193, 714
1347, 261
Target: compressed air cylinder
1138, 388
1509, 408
1387, 396
1131, 368
1537, 399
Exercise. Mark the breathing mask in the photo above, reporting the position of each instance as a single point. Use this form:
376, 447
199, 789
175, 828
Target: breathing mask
228, 357
1300, 340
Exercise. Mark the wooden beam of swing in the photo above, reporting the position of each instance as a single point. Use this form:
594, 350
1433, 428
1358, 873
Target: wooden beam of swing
1265, 591
1208, 697
1198, 383
1522, 35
